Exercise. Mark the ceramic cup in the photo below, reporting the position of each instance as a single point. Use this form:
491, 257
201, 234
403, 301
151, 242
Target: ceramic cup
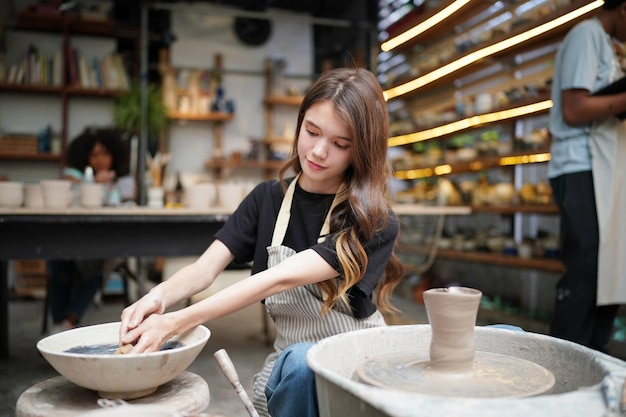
91, 194
230, 195
155, 197
452, 315
200, 196
11, 193
33, 196
56, 193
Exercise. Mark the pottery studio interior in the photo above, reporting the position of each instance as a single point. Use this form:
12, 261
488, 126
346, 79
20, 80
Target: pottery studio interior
141, 143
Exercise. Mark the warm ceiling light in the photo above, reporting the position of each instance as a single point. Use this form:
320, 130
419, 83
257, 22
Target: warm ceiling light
422, 27
489, 50
413, 174
469, 122
443, 169
525, 159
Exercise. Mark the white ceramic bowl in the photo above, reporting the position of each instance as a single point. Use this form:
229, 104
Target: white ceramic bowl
56, 193
11, 194
126, 376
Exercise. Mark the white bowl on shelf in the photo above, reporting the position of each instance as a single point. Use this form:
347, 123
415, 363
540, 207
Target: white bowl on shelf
56, 193
11, 194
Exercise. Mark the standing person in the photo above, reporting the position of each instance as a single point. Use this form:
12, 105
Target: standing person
588, 149
72, 284
321, 243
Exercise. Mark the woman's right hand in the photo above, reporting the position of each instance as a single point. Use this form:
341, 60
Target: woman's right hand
133, 315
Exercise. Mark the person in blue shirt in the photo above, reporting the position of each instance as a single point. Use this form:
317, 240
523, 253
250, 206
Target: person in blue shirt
587, 157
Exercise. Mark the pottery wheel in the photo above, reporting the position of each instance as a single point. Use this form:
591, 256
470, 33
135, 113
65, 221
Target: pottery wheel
492, 375
188, 393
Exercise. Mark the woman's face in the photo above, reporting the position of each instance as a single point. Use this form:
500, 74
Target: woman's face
324, 149
100, 159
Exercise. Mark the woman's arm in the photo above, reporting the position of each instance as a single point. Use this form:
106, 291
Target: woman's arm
580, 107
186, 282
303, 268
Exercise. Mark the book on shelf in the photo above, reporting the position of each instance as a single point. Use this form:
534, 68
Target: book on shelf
71, 76
95, 70
71, 68
83, 72
57, 69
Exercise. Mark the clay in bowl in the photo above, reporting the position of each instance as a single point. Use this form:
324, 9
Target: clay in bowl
125, 376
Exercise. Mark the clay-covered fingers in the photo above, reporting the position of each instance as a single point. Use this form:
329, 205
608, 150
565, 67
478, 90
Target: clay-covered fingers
133, 315
123, 349
150, 335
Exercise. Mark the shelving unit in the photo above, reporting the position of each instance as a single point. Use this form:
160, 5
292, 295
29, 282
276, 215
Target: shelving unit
275, 97
195, 93
67, 28
216, 118
433, 83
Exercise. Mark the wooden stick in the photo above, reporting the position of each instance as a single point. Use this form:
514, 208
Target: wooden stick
228, 369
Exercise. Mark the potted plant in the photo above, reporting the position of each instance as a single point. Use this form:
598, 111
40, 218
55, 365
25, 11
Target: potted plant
127, 113
127, 116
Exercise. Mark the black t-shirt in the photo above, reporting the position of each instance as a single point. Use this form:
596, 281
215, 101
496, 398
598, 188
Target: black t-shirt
248, 233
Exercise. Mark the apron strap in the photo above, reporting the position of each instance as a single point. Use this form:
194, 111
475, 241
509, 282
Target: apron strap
282, 221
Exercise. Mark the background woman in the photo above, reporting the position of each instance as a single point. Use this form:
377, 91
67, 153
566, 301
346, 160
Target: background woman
72, 284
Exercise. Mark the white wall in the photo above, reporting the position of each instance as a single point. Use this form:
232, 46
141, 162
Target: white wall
200, 37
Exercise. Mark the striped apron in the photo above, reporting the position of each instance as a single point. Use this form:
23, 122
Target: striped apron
297, 312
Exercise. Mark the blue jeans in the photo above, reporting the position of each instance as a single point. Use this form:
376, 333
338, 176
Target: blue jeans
71, 293
290, 389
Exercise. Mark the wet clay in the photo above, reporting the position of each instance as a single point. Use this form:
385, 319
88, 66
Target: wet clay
452, 315
452, 367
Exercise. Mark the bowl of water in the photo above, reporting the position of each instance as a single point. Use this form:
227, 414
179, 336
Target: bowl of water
86, 356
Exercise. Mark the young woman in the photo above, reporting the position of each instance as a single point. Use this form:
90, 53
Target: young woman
321, 243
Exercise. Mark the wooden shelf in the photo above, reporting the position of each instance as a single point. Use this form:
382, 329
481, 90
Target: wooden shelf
417, 16
475, 165
548, 209
283, 100
75, 24
243, 164
277, 139
55, 89
543, 264
204, 117
549, 36
548, 265
44, 157
31, 88
471, 126
93, 92
421, 209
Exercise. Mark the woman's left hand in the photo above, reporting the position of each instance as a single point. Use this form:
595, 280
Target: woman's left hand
153, 332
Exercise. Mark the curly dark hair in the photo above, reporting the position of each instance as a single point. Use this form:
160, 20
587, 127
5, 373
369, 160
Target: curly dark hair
113, 140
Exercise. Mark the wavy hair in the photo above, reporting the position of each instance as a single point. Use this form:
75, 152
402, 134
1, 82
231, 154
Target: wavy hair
359, 102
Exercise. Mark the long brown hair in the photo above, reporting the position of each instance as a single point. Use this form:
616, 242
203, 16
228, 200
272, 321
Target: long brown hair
359, 102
